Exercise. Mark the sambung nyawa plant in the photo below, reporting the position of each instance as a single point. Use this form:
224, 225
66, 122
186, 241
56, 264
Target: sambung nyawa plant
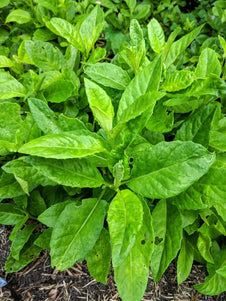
122, 160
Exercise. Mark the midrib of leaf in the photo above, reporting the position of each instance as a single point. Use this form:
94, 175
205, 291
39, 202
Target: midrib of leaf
156, 171
83, 225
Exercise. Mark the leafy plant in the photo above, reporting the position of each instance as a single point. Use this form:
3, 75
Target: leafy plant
118, 150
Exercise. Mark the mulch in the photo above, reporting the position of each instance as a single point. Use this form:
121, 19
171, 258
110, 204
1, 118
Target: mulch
40, 282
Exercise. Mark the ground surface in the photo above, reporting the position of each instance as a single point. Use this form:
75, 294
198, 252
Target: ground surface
39, 282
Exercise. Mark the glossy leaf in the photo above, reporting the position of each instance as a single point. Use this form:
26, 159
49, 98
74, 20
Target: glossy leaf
76, 232
20, 240
44, 55
167, 224
100, 104
10, 214
5, 62
132, 275
70, 172
178, 80
208, 64
156, 35
180, 163
108, 75
180, 45
10, 87
59, 91
99, 259
63, 146
146, 81
4, 3
125, 216
19, 16
9, 187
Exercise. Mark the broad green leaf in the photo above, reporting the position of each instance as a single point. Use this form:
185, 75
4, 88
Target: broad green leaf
97, 55
223, 44
180, 163
215, 283
9, 187
20, 240
140, 105
43, 241
108, 75
180, 45
19, 16
36, 203
147, 80
100, 104
5, 62
49, 216
10, 214
63, 146
178, 80
59, 91
76, 232
161, 121
118, 173
132, 275
185, 260
10, 87
44, 55
204, 244
67, 31
99, 259
47, 120
4, 3
22, 170
167, 224
125, 217
43, 34
218, 132
91, 28
70, 172
131, 4
28, 254
156, 35
197, 126
208, 64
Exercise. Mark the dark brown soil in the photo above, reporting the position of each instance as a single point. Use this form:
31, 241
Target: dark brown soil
39, 282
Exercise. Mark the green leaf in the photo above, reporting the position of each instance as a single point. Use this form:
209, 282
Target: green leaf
36, 203
10, 87
100, 104
44, 55
197, 126
49, 4
59, 91
99, 259
156, 35
180, 45
19, 16
178, 80
140, 105
223, 44
147, 80
63, 146
29, 253
208, 64
9, 187
70, 172
76, 232
10, 214
180, 163
108, 75
185, 260
67, 31
20, 240
132, 275
215, 283
125, 217
4, 3
43, 241
50, 216
167, 224
5, 62
204, 244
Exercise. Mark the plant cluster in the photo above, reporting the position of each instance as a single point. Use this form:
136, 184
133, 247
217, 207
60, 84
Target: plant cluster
113, 137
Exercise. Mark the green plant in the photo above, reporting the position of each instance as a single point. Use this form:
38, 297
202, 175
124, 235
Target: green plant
122, 158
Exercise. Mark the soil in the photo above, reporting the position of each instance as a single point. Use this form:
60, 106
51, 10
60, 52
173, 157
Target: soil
39, 282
